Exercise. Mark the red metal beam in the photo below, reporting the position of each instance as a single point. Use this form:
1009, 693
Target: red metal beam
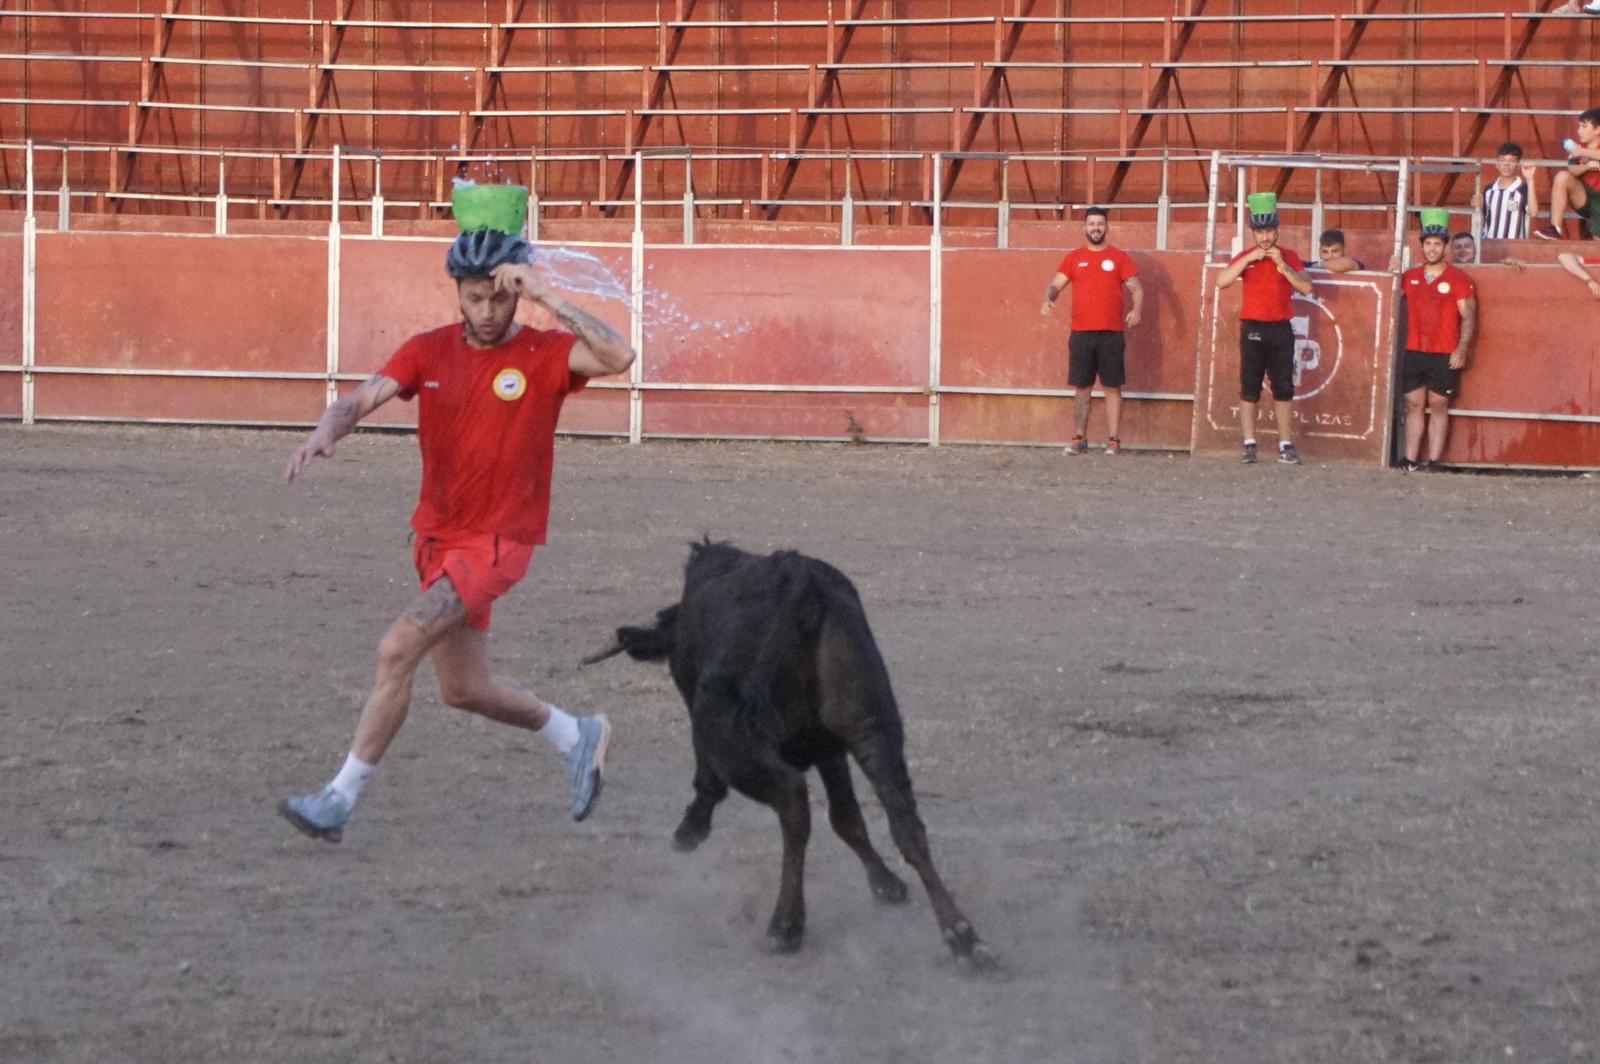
1348, 42
1502, 88
1005, 46
1157, 94
838, 43
666, 53
332, 42
493, 85
153, 75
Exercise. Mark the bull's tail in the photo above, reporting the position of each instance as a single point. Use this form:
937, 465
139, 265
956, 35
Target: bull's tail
643, 644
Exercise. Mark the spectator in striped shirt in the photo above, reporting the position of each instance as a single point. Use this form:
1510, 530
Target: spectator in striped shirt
1511, 199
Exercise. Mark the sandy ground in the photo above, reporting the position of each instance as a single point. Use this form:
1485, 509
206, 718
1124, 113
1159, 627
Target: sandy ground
1228, 764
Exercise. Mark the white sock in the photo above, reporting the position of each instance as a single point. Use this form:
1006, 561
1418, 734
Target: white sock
561, 730
1251, 442
352, 777
1284, 445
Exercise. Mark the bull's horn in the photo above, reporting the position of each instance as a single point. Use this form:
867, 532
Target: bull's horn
599, 656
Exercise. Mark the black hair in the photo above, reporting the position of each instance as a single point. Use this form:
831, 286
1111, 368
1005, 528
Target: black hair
1510, 147
1457, 236
1331, 236
1591, 116
1090, 212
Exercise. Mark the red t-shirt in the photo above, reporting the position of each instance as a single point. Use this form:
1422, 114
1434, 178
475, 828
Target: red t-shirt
486, 423
1266, 291
1433, 321
1097, 278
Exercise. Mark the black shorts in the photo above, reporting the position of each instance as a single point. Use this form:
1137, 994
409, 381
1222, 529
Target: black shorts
1092, 354
1418, 369
1266, 348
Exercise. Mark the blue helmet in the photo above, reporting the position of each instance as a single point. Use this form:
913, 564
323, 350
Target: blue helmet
476, 254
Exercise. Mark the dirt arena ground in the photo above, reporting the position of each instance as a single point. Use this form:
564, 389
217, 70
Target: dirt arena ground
1228, 764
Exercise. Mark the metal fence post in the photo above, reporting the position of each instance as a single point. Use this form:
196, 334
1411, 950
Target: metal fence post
334, 237
636, 326
30, 292
935, 298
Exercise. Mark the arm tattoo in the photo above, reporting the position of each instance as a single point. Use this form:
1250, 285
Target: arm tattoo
590, 329
1469, 323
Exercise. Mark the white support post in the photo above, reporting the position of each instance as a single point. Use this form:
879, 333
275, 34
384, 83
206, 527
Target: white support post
221, 227
334, 236
636, 326
935, 298
1318, 212
377, 195
64, 196
531, 230
30, 260
1241, 210
1401, 197
1211, 204
1163, 204
1002, 222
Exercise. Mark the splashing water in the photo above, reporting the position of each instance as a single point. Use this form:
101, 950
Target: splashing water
571, 270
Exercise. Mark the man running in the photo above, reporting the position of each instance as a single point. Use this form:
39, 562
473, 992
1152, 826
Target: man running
1441, 317
1095, 348
1266, 338
489, 392
1577, 188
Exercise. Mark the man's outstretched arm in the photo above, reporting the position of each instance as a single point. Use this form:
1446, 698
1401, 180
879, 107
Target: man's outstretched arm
341, 418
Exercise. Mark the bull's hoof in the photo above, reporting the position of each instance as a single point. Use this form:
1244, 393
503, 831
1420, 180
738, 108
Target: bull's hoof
890, 889
968, 948
785, 937
689, 836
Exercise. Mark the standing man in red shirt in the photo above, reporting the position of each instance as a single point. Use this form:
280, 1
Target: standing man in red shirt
489, 391
1441, 317
1095, 347
1266, 338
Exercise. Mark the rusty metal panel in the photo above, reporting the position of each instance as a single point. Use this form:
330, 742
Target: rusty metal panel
224, 401
796, 316
1534, 356
993, 336
182, 302
804, 415
1343, 368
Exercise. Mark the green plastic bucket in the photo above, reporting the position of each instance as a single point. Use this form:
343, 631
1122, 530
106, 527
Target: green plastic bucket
503, 208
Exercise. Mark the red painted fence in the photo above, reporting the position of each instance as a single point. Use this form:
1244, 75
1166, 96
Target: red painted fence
881, 343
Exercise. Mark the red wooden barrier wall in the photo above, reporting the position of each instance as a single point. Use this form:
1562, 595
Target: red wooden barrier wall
1343, 360
820, 319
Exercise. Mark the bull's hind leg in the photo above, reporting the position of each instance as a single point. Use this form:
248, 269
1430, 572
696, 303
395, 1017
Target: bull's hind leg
844, 812
885, 766
771, 782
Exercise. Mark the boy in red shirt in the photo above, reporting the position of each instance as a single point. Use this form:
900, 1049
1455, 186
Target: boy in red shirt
1271, 276
489, 392
1441, 317
1577, 188
1095, 348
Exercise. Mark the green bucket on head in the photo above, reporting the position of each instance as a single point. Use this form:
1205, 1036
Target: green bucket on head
503, 208
1435, 222
1263, 210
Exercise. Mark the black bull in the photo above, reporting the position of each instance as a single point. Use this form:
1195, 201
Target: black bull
780, 672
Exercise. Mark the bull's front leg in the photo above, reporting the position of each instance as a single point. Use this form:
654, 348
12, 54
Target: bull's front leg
695, 827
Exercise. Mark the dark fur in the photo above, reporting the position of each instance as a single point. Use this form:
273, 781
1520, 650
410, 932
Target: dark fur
778, 667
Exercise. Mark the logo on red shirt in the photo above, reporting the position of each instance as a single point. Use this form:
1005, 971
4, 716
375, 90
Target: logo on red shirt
509, 384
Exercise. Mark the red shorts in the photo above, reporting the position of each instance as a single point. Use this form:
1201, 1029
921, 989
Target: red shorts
482, 567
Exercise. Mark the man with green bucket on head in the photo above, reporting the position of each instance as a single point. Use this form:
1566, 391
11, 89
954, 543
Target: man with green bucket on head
489, 391
1441, 318
1266, 338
